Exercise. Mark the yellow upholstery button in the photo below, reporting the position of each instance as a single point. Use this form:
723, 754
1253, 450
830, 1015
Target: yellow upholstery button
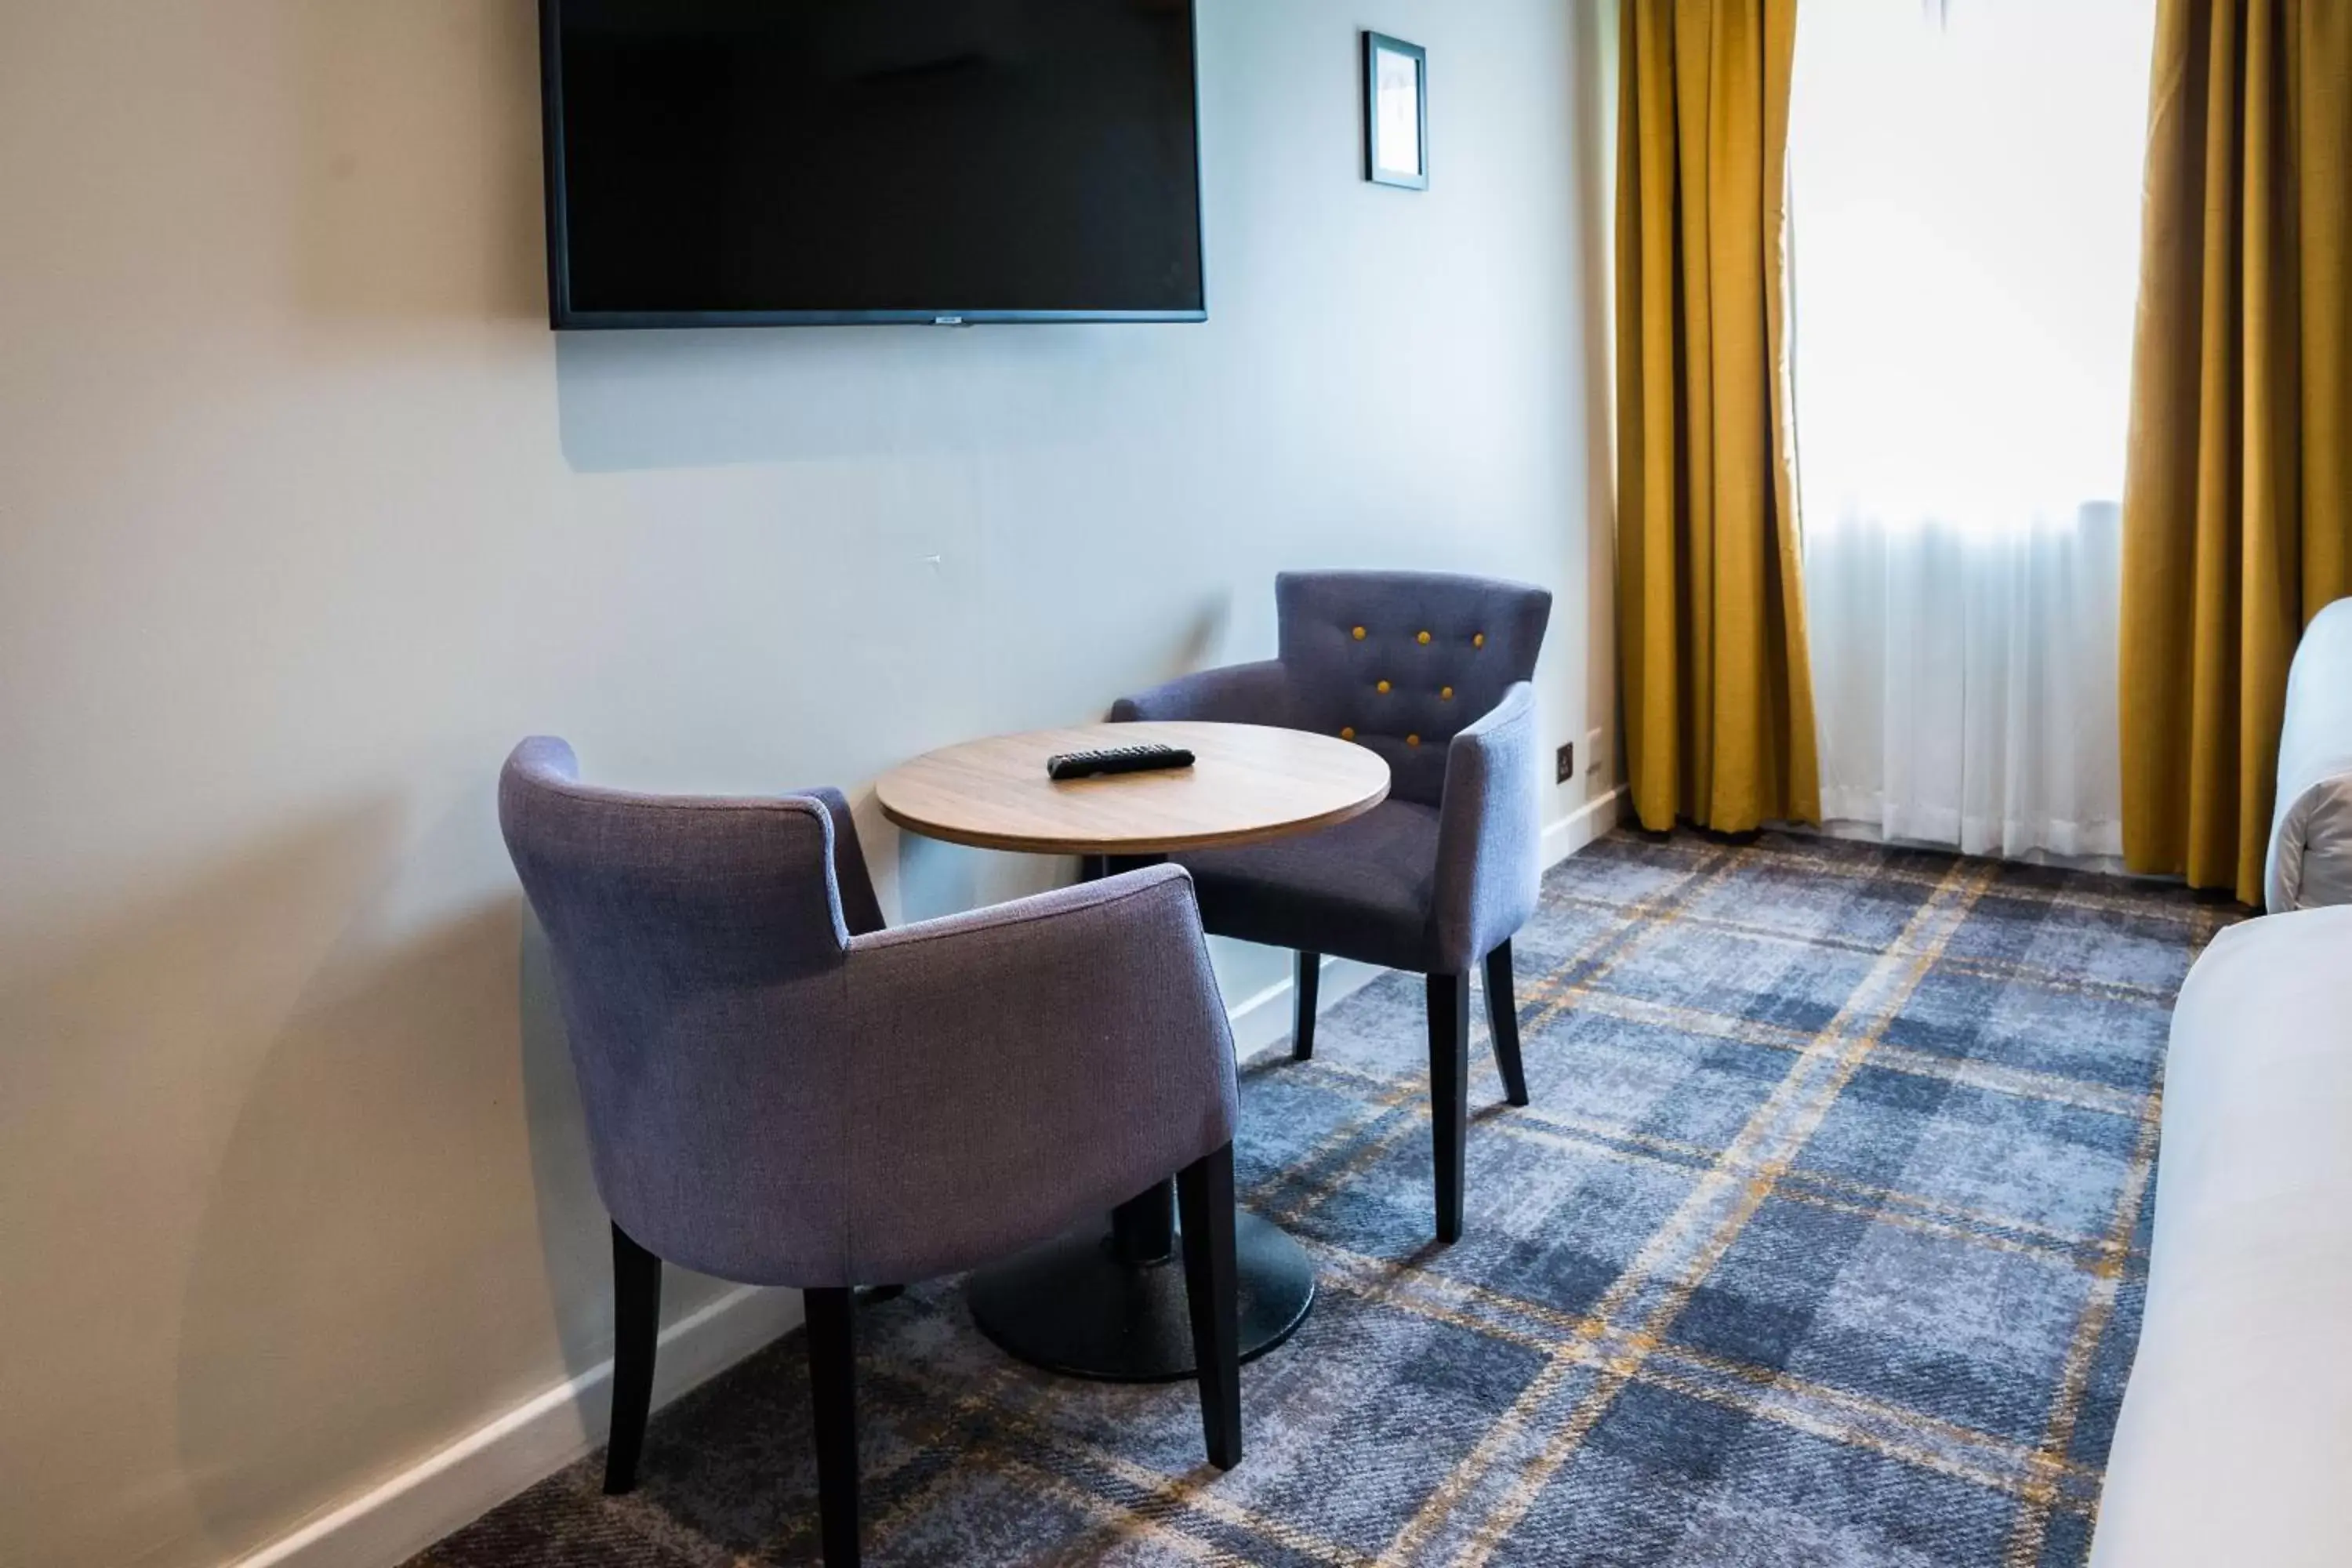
1479, 641
1383, 687
1424, 636
1412, 740
1347, 732
1360, 634
1446, 692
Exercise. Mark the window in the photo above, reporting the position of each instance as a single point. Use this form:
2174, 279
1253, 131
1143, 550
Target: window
1965, 184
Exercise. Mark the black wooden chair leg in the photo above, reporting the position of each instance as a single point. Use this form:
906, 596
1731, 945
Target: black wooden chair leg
1503, 1017
1302, 1017
1204, 1199
833, 1379
1449, 1096
636, 1325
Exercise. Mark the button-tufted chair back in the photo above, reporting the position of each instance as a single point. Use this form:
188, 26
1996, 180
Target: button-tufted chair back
1401, 661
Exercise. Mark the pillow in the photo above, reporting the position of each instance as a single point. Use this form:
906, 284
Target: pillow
2310, 859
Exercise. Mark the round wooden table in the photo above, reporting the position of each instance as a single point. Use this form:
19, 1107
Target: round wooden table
1112, 1306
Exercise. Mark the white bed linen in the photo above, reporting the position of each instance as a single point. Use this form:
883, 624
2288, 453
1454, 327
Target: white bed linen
2235, 1441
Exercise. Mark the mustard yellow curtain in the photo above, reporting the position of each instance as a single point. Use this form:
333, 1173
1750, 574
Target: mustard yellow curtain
2238, 497
1710, 615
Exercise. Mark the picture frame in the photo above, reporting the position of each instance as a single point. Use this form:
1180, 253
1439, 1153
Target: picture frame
1396, 112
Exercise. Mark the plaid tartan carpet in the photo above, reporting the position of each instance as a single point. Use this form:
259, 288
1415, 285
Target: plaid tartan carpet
1823, 1242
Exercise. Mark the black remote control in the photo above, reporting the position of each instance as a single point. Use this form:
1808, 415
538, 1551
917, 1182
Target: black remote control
1116, 760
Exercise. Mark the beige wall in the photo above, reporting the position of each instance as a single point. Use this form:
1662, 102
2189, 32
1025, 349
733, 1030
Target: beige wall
305, 516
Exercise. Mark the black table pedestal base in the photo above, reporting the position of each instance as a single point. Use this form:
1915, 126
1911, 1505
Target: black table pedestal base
1074, 1306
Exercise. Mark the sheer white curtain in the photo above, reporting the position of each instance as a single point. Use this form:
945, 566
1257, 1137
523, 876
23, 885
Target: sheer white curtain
1965, 183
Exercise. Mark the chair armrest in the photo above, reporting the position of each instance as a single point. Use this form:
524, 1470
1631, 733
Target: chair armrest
1235, 694
1015, 1069
1489, 856
860, 910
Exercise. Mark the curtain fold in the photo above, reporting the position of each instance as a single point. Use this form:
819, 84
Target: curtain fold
2238, 497
1711, 624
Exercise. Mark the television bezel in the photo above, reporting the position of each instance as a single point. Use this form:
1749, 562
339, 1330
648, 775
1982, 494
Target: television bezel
562, 316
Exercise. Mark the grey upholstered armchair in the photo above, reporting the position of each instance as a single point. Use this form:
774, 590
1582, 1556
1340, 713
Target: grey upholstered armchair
1430, 671
779, 1092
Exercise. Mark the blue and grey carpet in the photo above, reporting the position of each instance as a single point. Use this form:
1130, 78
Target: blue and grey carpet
1823, 1242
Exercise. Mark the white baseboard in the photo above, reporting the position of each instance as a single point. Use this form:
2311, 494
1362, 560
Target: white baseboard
1582, 825
1260, 1020
482, 1470
458, 1483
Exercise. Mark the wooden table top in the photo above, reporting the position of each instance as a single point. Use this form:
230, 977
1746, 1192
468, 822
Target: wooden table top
1249, 784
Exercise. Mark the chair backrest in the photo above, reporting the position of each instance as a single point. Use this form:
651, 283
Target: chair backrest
1402, 661
696, 945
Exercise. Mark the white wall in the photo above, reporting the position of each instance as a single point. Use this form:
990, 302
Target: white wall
305, 516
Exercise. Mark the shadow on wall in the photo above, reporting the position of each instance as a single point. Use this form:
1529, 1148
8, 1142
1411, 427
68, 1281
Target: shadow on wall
372, 1198
705, 397
177, 1118
575, 1246
370, 1192
351, 1198
265, 1125
420, 193
327, 1227
1593, 70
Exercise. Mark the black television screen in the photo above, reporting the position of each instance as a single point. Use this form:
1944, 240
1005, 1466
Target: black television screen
783, 162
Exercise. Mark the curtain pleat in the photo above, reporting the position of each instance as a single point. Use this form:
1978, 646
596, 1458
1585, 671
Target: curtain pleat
1711, 625
2238, 496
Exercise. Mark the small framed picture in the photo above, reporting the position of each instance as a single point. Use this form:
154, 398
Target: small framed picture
1396, 112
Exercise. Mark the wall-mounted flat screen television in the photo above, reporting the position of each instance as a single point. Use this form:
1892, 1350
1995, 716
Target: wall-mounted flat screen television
800, 161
